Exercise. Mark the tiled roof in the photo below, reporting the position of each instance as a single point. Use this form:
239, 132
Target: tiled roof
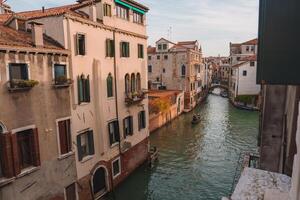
14, 38
251, 42
165, 40
187, 42
151, 50
249, 58
240, 64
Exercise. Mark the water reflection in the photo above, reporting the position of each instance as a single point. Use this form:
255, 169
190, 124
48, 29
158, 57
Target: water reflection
195, 161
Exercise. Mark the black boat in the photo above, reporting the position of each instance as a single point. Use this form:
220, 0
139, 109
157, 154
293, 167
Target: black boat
196, 119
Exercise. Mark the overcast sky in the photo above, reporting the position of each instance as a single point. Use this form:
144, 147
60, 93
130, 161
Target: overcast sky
214, 23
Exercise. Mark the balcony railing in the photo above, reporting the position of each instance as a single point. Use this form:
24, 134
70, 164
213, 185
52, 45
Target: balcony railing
135, 97
62, 81
15, 85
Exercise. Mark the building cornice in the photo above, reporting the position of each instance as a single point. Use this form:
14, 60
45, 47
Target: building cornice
8, 48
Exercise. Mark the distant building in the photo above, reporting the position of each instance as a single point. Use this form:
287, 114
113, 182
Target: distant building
4, 8
243, 88
37, 158
172, 100
177, 67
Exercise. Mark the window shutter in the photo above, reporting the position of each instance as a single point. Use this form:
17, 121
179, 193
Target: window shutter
117, 134
144, 119
35, 150
77, 44
107, 45
131, 125
14, 142
91, 143
6, 155
110, 132
139, 121
62, 137
79, 148
112, 47
87, 89
128, 50
121, 49
124, 127
80, 90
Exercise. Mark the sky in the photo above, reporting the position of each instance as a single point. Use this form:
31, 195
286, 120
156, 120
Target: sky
214, 23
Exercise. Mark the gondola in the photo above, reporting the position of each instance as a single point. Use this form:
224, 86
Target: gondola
196, 119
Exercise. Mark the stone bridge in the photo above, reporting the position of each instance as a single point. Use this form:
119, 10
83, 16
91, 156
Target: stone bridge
213, 86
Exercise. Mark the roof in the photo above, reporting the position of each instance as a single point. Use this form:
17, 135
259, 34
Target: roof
187, 42
165, 40
13, 38
251, 42
249, 58
240, 64
151, 50
163, 93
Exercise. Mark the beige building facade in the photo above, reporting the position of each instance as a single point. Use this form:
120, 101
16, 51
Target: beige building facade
109, 106
177, 67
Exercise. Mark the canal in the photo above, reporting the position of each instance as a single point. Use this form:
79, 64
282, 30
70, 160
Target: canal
196, 162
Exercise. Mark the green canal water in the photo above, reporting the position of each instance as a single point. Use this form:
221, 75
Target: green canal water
196, 162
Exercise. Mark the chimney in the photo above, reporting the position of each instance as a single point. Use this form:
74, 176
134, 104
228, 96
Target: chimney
93, 13
37, 34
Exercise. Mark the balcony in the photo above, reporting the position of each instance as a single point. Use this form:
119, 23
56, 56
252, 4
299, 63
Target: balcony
135, 97
62, 82
19, 85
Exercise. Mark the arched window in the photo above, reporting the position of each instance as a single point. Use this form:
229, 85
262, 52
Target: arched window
133, 83
138, 82
183, 70
127, 84
109, 83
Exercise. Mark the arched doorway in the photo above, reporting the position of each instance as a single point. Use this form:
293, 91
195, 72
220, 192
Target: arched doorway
99, 182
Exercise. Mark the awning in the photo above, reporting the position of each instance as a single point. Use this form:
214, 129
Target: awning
130, 6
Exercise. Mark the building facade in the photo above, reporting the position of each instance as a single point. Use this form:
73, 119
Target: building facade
109, 106
177, 67
243, 89
37, 158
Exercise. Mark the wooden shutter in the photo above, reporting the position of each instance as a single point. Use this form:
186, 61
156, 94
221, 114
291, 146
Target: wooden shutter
107, 45
87, 90
91, 143
6, 155
121, 49
14, 142
139, 121
127, 50
112, 47
131, 125
35, 150
124, 127
110, 132
79, 150
80, 89
63, 140
117, 133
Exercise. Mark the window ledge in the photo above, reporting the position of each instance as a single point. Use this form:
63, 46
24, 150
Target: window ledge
114, 145
84, 104
115, 176
27, 171
87, 158
61, 85
64, 156
5, 181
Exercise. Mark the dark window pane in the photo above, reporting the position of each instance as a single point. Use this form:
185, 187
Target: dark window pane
18, 71
71, 192
116, 167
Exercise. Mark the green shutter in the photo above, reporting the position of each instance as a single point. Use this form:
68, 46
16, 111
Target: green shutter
80, 90
139, 121
79, 150
87, 89
117, 133
112, 48
128, 50
91, 143
107, 48
144, 119
131, 125
110, 132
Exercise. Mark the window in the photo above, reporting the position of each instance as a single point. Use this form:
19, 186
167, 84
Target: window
60, 74
138, 82
116, 166
244, 73
252, 48
164, 70
140, 51
137, 18
149, 57
133, 83
142, 120
159, 47
83, 85
107, 10
149, 68
71, 192
183, 71
80, 44
127, 84
166, 57
65, 139
165, 46
128, 126
110, 48
124, 49
113, 130
122, 12
85, 144
109, 84
18, 71
247, 48
252, 63
27, 145
158, 57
